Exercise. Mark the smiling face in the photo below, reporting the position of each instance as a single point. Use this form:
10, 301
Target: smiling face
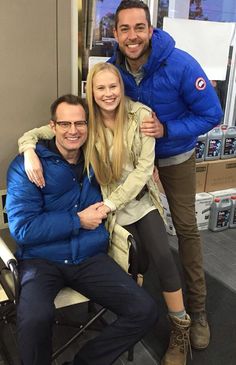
69, 141
107, 92
133, 35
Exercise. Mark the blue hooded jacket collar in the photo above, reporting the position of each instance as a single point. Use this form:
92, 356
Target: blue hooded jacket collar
44, 152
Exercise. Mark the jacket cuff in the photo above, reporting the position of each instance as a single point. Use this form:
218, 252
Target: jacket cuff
110, 204
25, 146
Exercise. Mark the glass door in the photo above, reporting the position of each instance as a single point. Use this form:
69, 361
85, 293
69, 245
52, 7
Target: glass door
207, 10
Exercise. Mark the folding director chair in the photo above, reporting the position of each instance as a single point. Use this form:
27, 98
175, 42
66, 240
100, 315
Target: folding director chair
124, 252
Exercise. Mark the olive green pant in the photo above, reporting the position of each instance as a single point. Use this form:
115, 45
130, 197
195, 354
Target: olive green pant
179, 182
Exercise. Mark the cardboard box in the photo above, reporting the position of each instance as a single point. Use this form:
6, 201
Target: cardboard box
221, 174
202, 209
167, 216
201, 173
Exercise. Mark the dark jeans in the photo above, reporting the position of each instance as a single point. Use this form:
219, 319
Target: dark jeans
152, 241
179, 182
100, 279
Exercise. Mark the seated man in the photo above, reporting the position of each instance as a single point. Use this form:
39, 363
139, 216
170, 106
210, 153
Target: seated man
62, 242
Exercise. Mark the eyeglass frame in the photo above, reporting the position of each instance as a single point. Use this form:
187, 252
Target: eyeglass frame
79, 124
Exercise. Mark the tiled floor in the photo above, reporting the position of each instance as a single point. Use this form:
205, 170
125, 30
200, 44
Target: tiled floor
141, 355
219, 255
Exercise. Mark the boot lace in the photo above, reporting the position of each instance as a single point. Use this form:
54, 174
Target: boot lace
180, 338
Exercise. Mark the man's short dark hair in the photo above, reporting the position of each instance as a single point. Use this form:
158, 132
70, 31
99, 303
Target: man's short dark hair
131, 4
69, 99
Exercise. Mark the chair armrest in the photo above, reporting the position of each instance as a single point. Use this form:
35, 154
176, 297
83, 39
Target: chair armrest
11, 264
133, 257
6, 254
123, 250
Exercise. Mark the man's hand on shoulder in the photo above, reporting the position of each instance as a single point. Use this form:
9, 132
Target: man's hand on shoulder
152, 127
91, 217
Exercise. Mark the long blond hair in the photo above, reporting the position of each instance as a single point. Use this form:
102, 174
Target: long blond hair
106, 170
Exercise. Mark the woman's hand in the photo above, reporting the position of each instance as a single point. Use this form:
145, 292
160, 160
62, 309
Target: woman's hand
92, 216
33, 168
104, 209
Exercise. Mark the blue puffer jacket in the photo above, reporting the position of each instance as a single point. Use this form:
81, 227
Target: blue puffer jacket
176, 88
44, 222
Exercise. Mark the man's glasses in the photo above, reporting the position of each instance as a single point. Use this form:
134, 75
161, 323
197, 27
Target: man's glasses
80, 124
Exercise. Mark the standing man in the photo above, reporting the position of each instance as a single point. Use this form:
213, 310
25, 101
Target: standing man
62, 241
174, 85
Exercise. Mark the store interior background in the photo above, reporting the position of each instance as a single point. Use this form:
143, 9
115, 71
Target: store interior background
46, 49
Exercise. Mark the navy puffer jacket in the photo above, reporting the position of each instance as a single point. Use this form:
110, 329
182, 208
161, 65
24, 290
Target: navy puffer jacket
44, 222
177, 89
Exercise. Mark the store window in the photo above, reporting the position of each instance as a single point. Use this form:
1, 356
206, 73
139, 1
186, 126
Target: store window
205, 10
211, 10
97, 40
98, 16
163, 7
103, 39
196, 10
218, 10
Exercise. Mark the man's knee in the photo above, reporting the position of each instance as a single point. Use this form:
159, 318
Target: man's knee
145, 310
33, 320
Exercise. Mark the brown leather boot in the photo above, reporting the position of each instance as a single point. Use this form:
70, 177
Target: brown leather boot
176, 353
199, 331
